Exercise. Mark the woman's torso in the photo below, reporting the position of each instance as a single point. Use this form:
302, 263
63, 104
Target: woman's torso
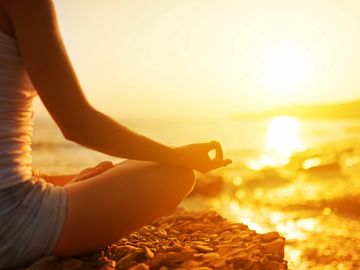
16, 96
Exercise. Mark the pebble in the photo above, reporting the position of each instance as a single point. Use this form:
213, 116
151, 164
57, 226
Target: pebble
276, 246
162, 233
270, 236
107, 267
211, 255
149, 254
203, 249
200, 240
140, 266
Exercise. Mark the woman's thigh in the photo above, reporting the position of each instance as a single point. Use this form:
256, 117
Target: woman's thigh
104, 208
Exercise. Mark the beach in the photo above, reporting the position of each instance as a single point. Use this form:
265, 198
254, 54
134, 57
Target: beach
184, 240
297, 178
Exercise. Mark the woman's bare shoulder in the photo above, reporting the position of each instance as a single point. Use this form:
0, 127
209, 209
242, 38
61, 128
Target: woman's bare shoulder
14, 13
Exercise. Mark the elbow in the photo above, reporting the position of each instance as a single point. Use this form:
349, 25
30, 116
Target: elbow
68, 134
76, 134
71, 132
76, 129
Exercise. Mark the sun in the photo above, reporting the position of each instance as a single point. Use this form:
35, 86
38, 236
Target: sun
285, 69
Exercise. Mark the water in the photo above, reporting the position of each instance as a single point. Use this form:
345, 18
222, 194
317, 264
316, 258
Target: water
244, 141
300, 178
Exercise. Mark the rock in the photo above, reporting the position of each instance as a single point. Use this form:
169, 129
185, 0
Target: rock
140, 266
270, 236
158, 261
127, 261
211, 255
199, 242
149, 254
123, 250
203, 249
162, 233
107, 267
184, 240
190, 264
170, 259
276, 246
111, 263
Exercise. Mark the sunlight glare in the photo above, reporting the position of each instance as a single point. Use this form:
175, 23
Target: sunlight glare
283, 138
244, 216
311, 162
285, 69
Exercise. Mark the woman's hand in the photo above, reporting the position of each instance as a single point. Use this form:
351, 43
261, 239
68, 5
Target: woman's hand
93, 171
196, 156
61, 180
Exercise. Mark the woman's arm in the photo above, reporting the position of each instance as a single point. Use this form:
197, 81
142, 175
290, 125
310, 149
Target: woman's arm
50, 69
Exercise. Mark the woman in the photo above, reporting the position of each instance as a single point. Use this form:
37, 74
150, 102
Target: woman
74, 214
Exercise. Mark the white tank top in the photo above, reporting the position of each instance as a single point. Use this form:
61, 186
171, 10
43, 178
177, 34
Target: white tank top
16, 98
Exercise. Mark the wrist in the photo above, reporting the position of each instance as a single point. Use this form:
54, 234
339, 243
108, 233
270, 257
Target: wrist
175, 156
171, 155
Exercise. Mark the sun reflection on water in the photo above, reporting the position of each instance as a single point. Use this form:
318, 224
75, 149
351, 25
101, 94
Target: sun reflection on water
301, 205
296, 229
283, 138
245, 216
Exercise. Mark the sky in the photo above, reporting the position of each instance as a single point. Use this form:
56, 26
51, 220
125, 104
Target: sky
211, 57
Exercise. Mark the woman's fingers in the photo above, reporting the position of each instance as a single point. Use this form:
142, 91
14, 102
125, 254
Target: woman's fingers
199, 156
98, 169
106, 165
226, 162
86, 170
91, 173
219, 152
221, 163
218, 161
210, 145
214, 145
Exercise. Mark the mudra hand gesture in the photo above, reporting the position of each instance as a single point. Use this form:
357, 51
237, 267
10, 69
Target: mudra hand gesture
196, 156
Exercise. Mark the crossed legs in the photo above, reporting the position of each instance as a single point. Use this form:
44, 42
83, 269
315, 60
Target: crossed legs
108, 206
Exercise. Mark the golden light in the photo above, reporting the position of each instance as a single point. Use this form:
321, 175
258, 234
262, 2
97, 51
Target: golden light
283, 137
246, 216
285, 69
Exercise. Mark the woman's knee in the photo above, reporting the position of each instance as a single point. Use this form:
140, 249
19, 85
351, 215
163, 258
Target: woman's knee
145, 192
183, 179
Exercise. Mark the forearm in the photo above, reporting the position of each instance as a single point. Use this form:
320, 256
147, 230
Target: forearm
101, 133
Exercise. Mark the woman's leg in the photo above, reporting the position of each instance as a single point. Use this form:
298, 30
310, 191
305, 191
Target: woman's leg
106, 207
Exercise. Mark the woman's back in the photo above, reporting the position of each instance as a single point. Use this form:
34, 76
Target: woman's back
16, 96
